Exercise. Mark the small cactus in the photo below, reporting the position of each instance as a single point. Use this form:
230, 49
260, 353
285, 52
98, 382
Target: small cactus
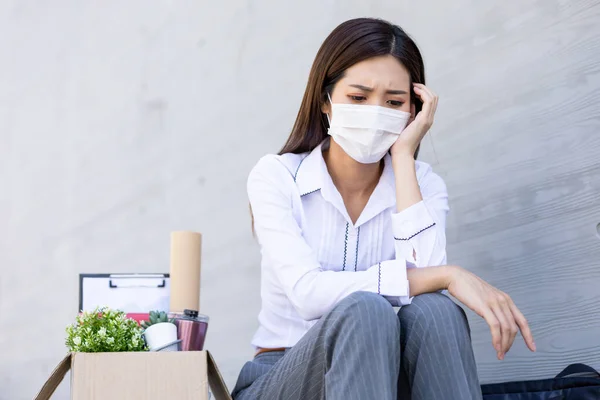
156, 317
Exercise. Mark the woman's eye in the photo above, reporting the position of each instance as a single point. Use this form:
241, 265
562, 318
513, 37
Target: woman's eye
395, 103
358, 98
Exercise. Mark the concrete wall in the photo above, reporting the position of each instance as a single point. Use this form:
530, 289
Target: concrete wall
121, 121
518, 142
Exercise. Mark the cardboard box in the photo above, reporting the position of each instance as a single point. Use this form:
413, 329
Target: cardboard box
182, 375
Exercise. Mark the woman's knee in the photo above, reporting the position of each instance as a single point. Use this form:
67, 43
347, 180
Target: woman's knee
433, 309
369, 310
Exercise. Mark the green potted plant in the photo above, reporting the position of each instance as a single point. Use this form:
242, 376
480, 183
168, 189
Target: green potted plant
104, 330
160, 332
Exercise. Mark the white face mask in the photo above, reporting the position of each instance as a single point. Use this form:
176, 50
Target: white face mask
366, 133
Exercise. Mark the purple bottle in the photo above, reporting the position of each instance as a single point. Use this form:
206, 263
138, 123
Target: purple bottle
191, 329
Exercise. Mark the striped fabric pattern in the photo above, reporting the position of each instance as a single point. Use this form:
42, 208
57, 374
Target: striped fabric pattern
363, 350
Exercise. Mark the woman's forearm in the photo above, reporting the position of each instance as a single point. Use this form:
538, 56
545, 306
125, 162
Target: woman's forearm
407, 187
430, 279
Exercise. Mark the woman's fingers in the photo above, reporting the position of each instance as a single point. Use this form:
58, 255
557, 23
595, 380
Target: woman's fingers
504, 331
511, 327
523, 325
510, 319
425, 116
432, 96
425, 97
495, 329
429, 99
514, 329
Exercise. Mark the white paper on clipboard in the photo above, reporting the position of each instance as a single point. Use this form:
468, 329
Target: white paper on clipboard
132, 293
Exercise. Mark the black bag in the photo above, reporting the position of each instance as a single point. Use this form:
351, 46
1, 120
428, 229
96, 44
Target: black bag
576, 382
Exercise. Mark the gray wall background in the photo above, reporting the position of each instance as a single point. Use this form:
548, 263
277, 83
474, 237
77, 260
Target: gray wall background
123, 121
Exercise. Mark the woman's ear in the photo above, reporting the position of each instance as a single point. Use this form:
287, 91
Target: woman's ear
326, 108
413, 111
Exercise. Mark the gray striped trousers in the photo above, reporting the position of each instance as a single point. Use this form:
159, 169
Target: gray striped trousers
363, 350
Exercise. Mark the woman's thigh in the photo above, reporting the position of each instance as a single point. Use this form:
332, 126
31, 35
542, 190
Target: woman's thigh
362, 323
296, 373
252, 371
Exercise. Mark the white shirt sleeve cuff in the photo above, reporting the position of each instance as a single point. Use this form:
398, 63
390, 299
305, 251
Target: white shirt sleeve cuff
398, 301
391, 280
410, 222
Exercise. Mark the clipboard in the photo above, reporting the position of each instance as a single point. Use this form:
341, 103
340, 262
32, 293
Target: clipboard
132, 293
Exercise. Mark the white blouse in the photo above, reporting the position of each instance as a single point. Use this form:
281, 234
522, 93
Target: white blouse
313, 255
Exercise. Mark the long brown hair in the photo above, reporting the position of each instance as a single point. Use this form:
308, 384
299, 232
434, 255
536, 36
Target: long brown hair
351, 42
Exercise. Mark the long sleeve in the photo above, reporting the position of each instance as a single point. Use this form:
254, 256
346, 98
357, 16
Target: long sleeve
312, 290
419, 231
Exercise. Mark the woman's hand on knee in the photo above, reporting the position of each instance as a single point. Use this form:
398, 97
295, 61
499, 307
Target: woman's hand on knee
495, 306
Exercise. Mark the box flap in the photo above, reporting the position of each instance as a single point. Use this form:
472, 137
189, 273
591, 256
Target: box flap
215, 380
55, 379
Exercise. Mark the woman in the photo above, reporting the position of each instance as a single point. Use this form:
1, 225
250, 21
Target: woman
347, 221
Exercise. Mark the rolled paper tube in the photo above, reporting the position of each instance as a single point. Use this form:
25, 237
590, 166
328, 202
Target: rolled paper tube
186, 249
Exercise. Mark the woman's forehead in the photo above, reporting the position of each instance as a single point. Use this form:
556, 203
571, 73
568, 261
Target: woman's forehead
382, 71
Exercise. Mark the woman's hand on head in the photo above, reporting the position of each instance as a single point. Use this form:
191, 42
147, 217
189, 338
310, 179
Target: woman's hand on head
419, 125
495, 306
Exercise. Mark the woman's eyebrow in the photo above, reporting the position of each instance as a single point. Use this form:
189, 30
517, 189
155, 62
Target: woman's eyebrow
368, 89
